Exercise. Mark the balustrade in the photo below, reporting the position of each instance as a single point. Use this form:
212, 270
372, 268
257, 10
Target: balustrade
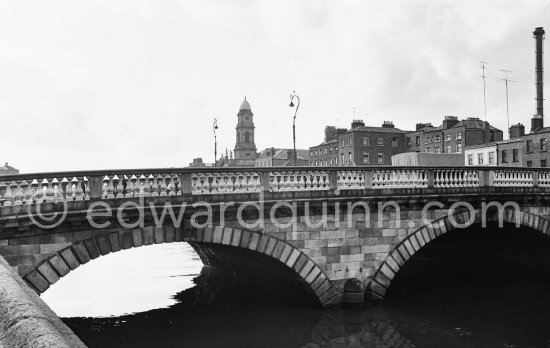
399, 178
456, 178
512, 178
56, 188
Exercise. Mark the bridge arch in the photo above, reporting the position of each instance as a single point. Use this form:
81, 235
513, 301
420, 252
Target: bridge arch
404, 250
310, 275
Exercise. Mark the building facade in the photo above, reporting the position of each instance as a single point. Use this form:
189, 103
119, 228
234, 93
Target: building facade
272, 157
6, 169
481, 155
453, 136
375, 146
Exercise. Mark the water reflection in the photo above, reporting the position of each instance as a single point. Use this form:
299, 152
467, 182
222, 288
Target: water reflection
130, 281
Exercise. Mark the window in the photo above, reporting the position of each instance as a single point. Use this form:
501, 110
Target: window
504, 156
326, 162
470, 160
343, 143
349, 158
437, 139
380, 141
459, 148
479, 158
335, 161
529, 145
380, 158
310, 154
417, 140
343, 159
491, 157
325, 151
543, 144
529, 164
336, 149
458, 135
365, 141
408, 142
330, 150
448, 149
365, 157
448, 137
542, 163
331, 161
437, 150
349, 141
316, 162
428, 149
428, 139
315, 152
515, 155
393, 142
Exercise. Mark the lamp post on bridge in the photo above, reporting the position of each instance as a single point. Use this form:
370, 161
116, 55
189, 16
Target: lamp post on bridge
292, 96
215, 127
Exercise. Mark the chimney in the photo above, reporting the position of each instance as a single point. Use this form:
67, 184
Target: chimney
536, 123
340, 131
517, 131
449, 122
387, 124
420, 126
357, 123
538, 34
330, 133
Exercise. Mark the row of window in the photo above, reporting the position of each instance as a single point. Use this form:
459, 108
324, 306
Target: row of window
515, 155
366, 142
436, 139
366, 158
448, 149
529, 145
542, 163
334, 161
481, 158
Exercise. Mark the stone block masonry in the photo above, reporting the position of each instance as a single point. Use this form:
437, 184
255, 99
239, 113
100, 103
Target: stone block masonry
25, 320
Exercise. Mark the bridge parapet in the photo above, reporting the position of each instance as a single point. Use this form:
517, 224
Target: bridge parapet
114, 184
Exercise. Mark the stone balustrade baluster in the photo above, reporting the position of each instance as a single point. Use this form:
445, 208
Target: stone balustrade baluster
155, 187
49, 191
111, 188
17, 193
27, 192
57, 191
8, 196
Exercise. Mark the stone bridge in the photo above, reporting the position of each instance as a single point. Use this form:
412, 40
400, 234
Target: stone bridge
301, 230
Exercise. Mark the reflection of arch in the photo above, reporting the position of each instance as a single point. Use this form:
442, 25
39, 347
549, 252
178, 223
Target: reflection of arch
246, 137
403, 251
80, 252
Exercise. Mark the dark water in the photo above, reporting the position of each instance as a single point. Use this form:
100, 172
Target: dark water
475, 288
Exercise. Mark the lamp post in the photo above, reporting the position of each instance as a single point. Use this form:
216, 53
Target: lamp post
292, 96
215, 127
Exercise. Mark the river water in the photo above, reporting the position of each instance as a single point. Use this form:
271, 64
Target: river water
453, 294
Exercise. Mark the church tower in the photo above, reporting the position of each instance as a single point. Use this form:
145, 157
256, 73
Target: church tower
245, 149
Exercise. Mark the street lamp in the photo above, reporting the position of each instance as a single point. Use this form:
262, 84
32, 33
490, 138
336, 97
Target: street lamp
292, 96
215, 127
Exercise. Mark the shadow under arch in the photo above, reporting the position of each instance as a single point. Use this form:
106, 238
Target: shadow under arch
402, 252
209, 243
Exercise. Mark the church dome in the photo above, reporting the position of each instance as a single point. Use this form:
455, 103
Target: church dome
245, 105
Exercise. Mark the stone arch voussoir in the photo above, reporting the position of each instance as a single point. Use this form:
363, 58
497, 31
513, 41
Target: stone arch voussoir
403, 251
58, 265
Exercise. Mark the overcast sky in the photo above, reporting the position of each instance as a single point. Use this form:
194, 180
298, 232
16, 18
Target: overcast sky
128, 84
